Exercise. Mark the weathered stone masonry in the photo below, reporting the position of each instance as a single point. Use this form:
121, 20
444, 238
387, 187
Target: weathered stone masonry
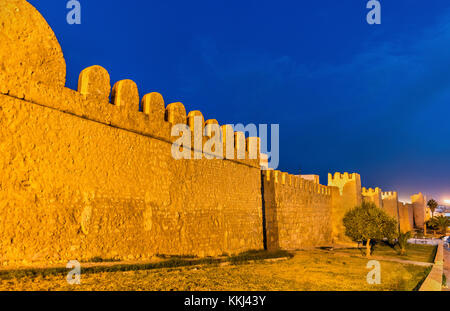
298, 212
85, 176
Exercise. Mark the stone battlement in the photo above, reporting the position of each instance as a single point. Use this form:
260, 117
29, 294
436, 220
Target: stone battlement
373, 195
297, 212
371, 191
35, 72
295, 181
345, 177
389, 194
147, 117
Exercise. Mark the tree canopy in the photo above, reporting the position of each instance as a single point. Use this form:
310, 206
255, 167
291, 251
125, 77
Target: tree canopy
367, 222
440, 222
433, 205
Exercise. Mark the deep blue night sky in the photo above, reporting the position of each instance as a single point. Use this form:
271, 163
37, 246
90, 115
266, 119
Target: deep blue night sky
348, 96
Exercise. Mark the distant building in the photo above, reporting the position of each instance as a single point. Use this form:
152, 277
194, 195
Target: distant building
314, 178
442, 211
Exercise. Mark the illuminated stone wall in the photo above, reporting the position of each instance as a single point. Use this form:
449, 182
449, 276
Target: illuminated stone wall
90, 173
297, 212
73, 188
373, 195
346, 194
84, 177
390, 204
406, 216
419, 204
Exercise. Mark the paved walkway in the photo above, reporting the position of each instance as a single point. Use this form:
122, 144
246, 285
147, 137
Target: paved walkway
447, 268
407, 262
383, 258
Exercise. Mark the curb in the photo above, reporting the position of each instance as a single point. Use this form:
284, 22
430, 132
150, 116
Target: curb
433, 282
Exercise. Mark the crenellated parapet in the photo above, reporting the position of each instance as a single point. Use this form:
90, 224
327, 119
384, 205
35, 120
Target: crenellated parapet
35, 71
297, 211
372, 195
390, 204
95, 166
346, 194
295, 182
342, 180
389, 194
370, 191
147, 116
342, 177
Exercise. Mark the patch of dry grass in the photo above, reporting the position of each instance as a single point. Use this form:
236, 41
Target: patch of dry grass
414, 252
306, 271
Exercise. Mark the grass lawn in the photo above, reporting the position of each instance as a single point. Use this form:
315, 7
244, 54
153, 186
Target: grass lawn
414, 252
306, 271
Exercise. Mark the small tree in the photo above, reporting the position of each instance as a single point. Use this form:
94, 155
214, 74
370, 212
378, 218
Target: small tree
367, 223
433, 205
403, 241
440, 222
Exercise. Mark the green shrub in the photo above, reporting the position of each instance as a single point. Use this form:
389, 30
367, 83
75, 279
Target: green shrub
367, 223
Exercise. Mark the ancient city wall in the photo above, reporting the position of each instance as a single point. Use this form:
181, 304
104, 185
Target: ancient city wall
419, 204
84, 176
406, 215
373, 195
75, 188
297, 212
390, 204
90, 173
345, 195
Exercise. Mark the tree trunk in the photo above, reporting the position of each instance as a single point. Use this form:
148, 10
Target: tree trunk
368, 248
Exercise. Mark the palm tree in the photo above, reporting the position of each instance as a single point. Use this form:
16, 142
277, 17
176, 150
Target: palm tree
403, 241
440, 222
432, 204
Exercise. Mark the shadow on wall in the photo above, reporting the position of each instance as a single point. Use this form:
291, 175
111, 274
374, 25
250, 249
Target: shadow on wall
297, 212
100, 175
270, 219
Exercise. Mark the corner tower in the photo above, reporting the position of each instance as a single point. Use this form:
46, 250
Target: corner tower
390, 204
346, 194
30, 52
406, 217
372, 195
419, 206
